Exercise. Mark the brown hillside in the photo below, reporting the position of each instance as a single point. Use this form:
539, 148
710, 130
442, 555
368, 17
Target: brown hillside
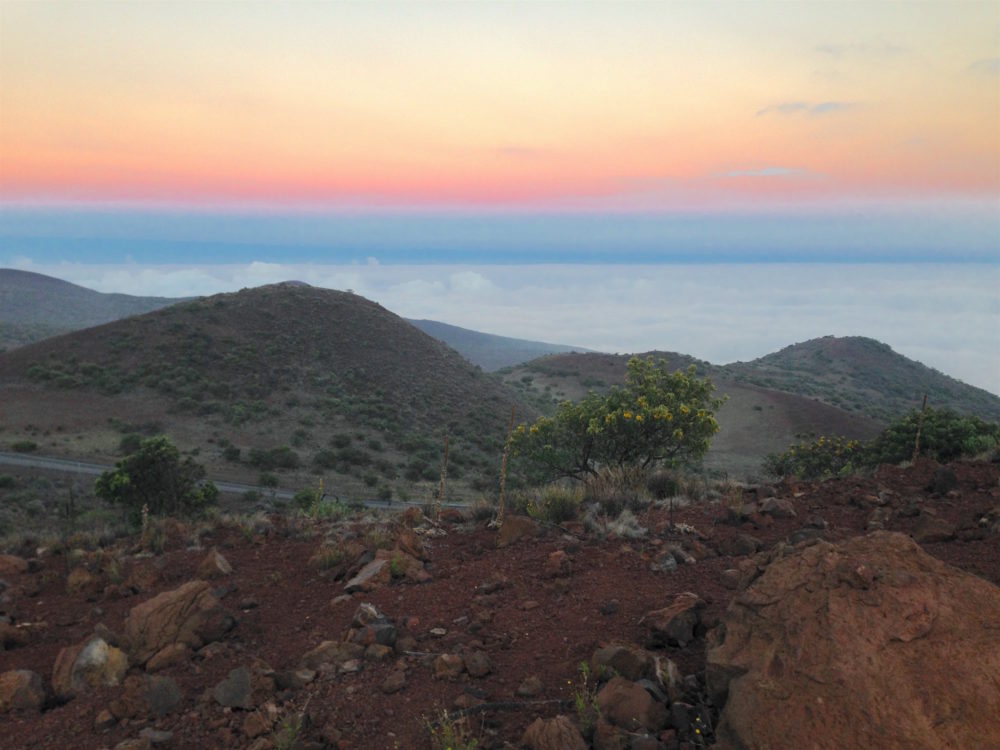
352, 389
865, 376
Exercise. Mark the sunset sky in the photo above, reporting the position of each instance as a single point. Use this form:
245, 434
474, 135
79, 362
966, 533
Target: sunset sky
704, 106
325, 134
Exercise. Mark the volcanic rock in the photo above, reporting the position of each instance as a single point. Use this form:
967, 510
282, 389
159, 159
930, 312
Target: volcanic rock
675, 625
553, 734
214, 566
516, 528
21, 690
87, 665
626, 704
190, 615
869, 643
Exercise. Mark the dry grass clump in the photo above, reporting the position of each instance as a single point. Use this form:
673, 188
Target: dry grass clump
327, 557
556, 504
625, 525
616, 488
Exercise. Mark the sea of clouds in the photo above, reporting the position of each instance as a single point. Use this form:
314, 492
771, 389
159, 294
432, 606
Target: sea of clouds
944, 315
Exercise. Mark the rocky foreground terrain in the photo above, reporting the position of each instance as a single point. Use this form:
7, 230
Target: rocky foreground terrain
861, 612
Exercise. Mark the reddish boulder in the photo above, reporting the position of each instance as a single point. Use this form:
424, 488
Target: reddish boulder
631, 662
190, 615
627, 704
869, 643
21, 690
516, 528
675, 625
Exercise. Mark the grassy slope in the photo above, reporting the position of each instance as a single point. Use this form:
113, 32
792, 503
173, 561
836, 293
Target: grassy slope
285, 365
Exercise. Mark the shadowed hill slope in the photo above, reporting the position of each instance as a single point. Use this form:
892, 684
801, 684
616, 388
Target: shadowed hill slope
489, 351
329, 376
34, 306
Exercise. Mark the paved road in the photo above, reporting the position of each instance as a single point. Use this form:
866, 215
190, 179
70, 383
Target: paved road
231, 488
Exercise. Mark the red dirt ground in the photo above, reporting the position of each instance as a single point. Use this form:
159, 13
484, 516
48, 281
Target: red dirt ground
530, 625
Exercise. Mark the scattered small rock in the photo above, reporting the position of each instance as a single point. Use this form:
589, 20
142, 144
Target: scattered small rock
395, 682
530, 687
553, 734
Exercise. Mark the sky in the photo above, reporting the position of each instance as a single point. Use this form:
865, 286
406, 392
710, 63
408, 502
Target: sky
847, 148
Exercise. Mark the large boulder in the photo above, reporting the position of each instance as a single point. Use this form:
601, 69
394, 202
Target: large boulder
190, 615
869, 643
87, 665
627, 704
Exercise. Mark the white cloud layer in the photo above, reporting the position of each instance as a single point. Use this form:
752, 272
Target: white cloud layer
946, 316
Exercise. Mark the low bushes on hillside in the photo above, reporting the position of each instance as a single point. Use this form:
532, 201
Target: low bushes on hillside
944, 436
271, 459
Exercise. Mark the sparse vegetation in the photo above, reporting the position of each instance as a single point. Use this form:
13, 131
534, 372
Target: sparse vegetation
584, 696
450, 733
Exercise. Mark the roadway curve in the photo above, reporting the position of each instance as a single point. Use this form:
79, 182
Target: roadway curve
232, 488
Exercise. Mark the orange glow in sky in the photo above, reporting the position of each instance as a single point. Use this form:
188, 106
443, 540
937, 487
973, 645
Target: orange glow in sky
618, 106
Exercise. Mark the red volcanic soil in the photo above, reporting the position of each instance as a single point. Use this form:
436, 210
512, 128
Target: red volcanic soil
529, 620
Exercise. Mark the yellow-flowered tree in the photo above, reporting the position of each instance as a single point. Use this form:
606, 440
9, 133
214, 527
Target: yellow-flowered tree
658, 418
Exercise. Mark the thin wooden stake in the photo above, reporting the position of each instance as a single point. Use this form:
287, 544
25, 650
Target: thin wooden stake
444, 474
920, 426
503, 473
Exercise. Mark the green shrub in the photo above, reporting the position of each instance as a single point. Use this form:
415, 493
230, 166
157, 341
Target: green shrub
231, 453
944, 436
266, 479
129, 443
155, 477
24, 446
7, 481
658, 418
824, 457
